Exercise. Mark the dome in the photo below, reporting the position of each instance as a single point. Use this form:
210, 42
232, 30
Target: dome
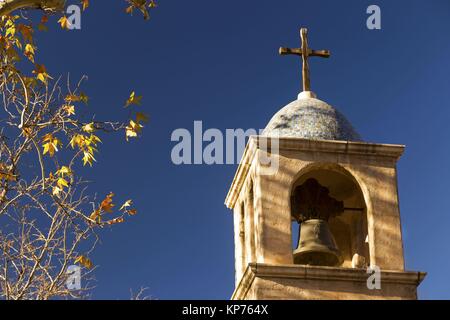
311, 118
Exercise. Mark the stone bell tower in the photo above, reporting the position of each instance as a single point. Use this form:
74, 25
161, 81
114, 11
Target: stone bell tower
313, 227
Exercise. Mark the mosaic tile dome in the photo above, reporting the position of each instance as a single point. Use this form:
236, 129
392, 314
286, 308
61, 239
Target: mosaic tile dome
311, 118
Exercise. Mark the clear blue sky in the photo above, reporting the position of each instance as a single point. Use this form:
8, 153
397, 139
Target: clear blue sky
217, 61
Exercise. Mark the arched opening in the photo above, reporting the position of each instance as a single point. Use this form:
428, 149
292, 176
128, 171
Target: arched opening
329, 193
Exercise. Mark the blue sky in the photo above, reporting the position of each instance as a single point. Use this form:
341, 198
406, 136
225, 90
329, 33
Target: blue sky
217, 61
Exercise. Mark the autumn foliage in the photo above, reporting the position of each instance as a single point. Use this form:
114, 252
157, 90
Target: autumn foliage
49, 218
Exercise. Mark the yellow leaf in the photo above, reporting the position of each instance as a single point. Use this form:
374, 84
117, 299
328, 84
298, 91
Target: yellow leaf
133, 99
71, 98
84, 261
41, 77
41, 72
107, 205
129, 10
69, 109
50, 144
88, 127
132, 212
140, 116
77, 140
29, 52
75, 98
29, 49
56, 190
127, 204
93, 139
62, 183
11, 31
5, 172
64, 22
85, 4
88, 158
133, 129
63, 170
84, 98
26, 31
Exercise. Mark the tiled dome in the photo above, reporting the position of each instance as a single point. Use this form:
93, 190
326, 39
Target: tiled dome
311, 118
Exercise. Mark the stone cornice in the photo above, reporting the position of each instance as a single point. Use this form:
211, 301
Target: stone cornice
320, 273
241, 172
297, 144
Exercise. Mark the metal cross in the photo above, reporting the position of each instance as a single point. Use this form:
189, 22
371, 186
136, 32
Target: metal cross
305, 52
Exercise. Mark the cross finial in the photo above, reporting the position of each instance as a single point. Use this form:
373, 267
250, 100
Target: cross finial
305, 52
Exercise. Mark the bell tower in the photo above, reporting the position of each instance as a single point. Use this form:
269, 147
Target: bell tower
326, 221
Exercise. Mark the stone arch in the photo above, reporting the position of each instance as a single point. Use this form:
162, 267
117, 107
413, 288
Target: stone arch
351, 229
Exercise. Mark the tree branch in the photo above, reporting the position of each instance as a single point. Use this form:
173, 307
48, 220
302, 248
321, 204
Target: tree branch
8, 6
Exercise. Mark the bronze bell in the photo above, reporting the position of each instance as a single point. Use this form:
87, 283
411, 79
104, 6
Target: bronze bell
312, 206
316, 245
